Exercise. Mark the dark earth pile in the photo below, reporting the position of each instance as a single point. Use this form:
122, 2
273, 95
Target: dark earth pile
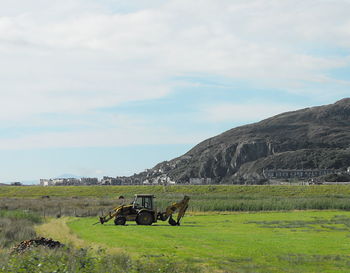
27, 244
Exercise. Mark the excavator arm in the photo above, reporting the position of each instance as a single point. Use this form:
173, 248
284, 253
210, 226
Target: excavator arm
181, 207
115, 212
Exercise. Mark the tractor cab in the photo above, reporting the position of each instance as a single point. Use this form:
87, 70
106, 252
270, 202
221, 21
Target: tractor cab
143, 201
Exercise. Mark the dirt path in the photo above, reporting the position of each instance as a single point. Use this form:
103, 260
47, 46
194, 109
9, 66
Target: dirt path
58, 230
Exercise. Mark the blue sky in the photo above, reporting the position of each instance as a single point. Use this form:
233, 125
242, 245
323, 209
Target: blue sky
113, 87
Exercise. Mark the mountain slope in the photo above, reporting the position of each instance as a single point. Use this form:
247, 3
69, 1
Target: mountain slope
317, 137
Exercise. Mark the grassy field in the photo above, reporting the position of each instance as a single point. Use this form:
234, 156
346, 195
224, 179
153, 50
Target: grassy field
309, 241
114, 191
227, 229
94, 200
16, 226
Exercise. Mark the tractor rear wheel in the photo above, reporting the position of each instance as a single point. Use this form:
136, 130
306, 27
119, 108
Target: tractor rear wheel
144, 218
120, 221
163, 216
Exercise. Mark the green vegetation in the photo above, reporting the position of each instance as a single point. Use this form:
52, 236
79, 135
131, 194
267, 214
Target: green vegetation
95, 200
298, 241
72, 260
224, 240
232, 190
16, 226
21, 215
310, 241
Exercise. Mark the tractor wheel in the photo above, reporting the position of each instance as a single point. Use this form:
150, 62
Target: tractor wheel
144, 218
163, 217
120, 221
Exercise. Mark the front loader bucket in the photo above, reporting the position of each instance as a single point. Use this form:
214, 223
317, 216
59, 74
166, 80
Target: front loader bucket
102, 220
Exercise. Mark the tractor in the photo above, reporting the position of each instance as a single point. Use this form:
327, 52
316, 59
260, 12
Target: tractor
143, 212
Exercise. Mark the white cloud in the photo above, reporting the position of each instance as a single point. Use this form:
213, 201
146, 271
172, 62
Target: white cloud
114, 137
73, 56
242, 39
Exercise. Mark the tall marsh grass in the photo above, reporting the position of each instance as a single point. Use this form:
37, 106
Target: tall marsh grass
21, 215
16, 226
97, 200
217, 202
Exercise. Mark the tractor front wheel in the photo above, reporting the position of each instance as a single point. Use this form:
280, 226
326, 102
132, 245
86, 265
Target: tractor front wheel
120, 221
144, 218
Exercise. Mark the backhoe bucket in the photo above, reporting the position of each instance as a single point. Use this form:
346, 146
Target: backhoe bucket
172, 222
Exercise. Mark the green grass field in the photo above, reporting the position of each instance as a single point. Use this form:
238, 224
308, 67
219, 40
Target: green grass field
309, 241
93, 200
227, 228
114, 191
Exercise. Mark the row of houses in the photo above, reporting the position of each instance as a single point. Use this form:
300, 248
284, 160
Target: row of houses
161, 178
69, 181
200, 181
106, 180
122, 180
300, 174
87, 181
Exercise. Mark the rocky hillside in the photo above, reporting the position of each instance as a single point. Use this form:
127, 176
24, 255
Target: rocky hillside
317, 137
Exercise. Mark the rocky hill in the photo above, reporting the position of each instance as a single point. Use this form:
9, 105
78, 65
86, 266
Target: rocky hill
317, 137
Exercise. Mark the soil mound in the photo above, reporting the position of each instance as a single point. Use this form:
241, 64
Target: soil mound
27, 244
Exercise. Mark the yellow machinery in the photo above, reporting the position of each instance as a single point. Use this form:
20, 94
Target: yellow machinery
142, 211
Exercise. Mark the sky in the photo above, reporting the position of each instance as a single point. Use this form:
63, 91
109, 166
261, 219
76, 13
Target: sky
112, 87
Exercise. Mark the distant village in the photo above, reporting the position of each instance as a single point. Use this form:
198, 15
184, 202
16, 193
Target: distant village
151, 177
87, 181
159, 177
106, 180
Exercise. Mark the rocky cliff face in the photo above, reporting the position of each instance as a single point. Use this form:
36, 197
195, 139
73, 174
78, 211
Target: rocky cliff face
317, 137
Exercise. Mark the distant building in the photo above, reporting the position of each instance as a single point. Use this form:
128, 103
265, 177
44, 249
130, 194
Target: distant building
89, 181
146, 182
60, 182
162, 179
46, 182
200, 181
69, 182
106, 180
283, 173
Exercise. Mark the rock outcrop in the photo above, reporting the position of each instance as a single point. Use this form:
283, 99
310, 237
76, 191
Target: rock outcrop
317, 137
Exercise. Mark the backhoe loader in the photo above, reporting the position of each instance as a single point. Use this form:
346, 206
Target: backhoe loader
142, 211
